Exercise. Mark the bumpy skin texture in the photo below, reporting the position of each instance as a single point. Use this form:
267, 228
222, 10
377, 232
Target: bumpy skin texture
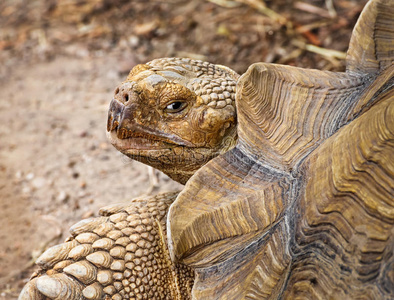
123, 254
174, 114
300, 208
120, 255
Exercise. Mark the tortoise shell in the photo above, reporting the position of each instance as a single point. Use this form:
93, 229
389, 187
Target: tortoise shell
301, 207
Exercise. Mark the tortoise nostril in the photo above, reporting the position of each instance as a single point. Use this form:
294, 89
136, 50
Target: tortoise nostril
116, 91
126, 97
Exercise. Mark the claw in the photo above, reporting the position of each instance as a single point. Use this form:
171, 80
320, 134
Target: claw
30, 292
55, 254
59, 287
87, 225
83, 270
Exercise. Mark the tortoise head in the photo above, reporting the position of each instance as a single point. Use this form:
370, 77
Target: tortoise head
174, 115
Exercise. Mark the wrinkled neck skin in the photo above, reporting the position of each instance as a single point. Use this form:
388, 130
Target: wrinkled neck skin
182, 163
174, 115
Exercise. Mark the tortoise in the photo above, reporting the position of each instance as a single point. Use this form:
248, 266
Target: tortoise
289, 183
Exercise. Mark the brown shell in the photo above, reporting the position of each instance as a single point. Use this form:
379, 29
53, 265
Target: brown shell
303, 205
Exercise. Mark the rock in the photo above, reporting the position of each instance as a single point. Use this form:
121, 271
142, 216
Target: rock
38, 182
63, 196
30, 176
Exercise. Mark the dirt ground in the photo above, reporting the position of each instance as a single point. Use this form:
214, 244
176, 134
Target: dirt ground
60, 62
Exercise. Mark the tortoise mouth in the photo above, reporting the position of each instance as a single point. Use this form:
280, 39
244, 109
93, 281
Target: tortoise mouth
129, 142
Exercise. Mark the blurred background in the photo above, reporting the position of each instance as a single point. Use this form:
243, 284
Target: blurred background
60, 61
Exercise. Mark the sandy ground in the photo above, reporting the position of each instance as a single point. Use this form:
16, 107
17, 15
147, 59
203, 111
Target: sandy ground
56, 165
60, 62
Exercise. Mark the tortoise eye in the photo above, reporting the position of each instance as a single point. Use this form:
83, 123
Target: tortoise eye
175, 107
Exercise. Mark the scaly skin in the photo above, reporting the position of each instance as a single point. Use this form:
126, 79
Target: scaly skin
120, 255
175, 115
301, 208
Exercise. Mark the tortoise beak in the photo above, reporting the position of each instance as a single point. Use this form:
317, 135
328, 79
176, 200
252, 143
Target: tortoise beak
123, 107
123, 111
121, 119
114, 113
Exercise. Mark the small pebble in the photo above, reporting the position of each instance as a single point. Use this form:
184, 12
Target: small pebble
38, 182
63, 196
30, 176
